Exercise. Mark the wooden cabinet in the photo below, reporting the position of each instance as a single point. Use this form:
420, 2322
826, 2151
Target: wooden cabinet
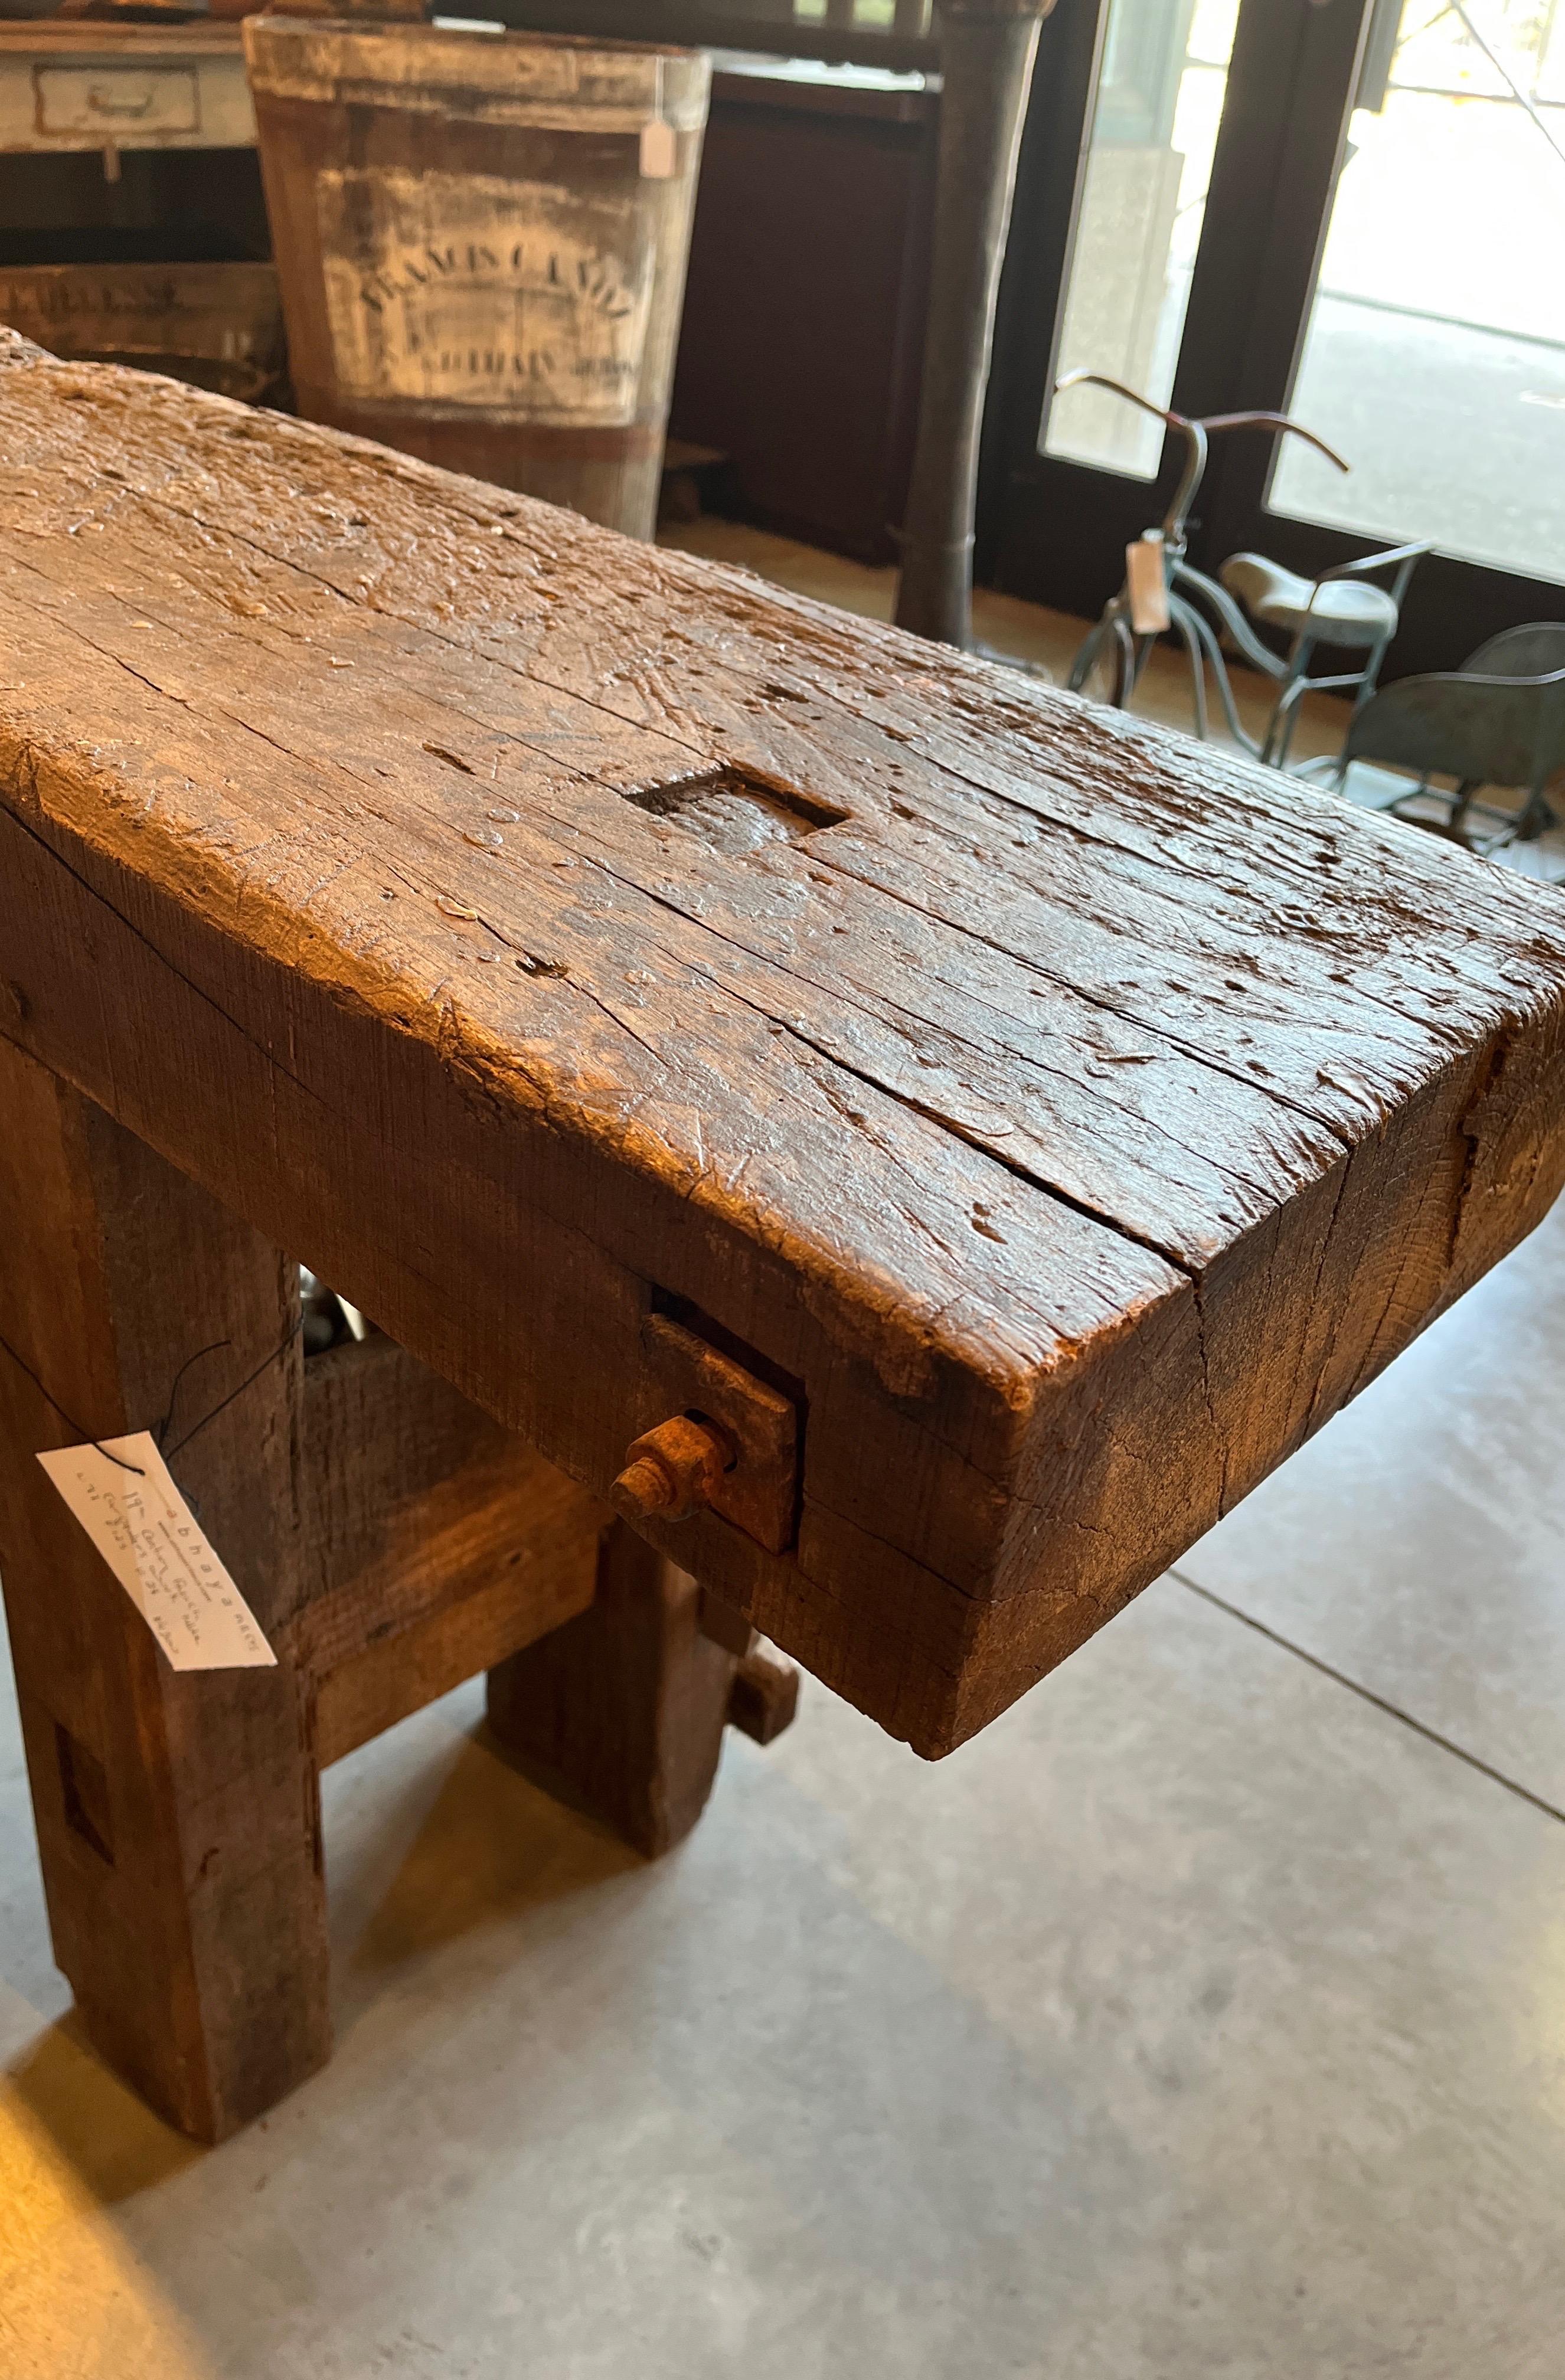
75, 85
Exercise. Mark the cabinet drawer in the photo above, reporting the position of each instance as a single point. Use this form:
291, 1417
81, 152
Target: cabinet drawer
116, 102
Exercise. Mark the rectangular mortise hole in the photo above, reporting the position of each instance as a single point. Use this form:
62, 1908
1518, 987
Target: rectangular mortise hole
736, 810
690, 1317
84, 1783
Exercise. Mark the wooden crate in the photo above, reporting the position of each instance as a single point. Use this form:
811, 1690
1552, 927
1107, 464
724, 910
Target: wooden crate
481, 240
217, 326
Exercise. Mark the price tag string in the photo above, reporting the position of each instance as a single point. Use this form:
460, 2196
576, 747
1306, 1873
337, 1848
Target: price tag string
161, 1430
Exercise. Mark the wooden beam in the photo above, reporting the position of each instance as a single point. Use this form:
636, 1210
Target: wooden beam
548, 1579
438, 1543
542, 934
176, 1812
621, 1712
764, 1697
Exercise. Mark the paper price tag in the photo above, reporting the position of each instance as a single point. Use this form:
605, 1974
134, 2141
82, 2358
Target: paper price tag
1147, 586
152, 1541
660, 151
660, 146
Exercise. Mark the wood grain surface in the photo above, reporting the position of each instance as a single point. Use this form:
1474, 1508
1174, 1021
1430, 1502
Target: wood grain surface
177, 1814
438, 1544
620, 1713
532, 930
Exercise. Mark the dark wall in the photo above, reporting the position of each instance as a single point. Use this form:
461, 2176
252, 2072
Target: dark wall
197, 205
804, 313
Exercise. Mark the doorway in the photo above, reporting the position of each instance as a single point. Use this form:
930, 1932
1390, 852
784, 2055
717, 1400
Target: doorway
1351, 209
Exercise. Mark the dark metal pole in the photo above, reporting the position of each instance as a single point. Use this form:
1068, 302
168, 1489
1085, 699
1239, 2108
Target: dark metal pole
987, 50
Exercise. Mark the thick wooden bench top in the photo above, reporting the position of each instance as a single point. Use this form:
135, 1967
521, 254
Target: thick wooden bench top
538, 934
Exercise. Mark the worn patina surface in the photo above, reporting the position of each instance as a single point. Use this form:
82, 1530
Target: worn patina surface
537, 933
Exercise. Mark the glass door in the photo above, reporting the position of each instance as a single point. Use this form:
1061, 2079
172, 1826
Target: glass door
1351, 209
1116, 167
1148, 166
1434, 351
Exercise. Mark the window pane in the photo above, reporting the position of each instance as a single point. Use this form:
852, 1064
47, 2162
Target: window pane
1155, 126
1434, 360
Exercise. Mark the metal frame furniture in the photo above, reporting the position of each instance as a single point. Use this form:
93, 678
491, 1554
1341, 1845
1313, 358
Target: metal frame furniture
1499, 720
1342, 610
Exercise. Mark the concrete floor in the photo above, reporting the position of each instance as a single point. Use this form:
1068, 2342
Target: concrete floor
1205, 2017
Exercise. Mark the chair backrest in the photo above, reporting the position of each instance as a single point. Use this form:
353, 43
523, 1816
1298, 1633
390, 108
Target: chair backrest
1492, 728
1534, 651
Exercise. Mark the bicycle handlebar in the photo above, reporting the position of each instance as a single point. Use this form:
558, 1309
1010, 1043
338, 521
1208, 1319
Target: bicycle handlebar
1280, 422
1207, 422
1101, 380
1195, 433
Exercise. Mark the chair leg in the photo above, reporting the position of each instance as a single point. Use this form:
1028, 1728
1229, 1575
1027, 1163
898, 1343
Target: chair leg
620, 1713
1284, 712
1370, 677
176, 1812
1461, 802
1538, 814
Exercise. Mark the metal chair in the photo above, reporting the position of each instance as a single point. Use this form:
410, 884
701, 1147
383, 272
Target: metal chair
1342, 610
1499, 720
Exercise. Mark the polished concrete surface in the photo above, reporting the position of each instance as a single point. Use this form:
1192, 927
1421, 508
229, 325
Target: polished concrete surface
1421, 1534
1203, 2020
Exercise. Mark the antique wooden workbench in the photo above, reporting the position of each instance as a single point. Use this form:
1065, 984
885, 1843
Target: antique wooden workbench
946, 1142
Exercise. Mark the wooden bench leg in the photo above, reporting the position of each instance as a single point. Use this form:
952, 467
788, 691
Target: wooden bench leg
177, 1813
621, 1712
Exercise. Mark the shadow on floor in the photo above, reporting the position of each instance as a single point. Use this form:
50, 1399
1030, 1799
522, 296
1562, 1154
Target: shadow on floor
114, 2146
444, 1850
421, 1855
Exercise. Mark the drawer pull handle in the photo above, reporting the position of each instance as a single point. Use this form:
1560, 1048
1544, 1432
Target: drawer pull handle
119, 109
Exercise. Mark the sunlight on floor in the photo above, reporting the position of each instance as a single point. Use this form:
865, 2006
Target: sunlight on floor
76, 2302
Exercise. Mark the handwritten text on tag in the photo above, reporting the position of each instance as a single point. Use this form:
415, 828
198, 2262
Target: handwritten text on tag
148, 1535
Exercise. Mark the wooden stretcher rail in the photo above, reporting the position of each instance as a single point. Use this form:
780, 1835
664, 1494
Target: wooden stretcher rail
438, 1545
607, 971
